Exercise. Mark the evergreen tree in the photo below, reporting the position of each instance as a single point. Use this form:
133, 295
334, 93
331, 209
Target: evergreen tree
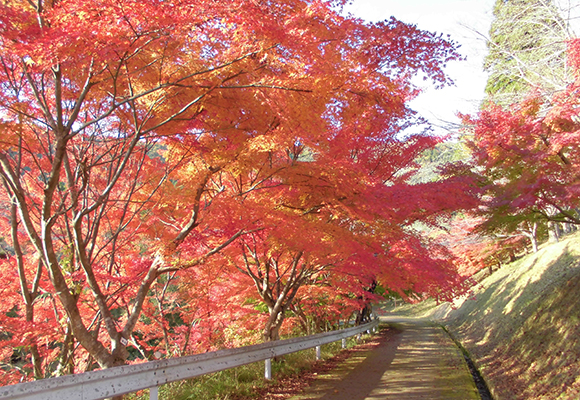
526, 50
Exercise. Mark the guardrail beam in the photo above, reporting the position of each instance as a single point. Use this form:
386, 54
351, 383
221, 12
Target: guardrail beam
102, 384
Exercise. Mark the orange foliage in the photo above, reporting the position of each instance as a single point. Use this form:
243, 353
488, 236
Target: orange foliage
152, 149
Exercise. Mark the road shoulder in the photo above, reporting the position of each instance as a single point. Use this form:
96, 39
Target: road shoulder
414, 360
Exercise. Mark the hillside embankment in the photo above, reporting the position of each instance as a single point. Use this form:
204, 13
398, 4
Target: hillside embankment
521, 326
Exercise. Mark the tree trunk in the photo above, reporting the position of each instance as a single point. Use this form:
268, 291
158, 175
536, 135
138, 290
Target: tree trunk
302, 319
29, 294
534, 237
66, 353
273, 325
554, 231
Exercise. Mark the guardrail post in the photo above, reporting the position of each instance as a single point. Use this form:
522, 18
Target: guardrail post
268, 369
154, 393
95, 385
344, 343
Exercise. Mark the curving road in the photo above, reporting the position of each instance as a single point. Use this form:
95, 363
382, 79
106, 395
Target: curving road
415, 360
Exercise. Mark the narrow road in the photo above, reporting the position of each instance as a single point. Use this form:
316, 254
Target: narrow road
417, 360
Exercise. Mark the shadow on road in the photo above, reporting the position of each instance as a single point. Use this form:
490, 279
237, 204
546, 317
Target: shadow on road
414, 360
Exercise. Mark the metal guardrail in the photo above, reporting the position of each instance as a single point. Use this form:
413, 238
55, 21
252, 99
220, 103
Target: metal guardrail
124, 379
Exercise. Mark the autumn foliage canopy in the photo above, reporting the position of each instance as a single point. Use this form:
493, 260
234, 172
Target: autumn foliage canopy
526, 158
181, 176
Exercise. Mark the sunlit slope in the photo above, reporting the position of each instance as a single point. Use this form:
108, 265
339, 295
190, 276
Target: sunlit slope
523, 328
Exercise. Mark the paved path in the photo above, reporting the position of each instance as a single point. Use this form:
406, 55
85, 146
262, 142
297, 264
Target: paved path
416, 361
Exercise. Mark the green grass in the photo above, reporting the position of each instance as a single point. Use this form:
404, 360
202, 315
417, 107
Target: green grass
244, 381
522, 329
416, 310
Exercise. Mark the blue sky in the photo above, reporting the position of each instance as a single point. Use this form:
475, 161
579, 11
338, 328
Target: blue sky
465, 21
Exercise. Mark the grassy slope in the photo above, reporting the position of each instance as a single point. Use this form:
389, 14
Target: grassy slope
522, 329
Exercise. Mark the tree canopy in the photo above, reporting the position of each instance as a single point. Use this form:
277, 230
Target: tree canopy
527, 50
175, 165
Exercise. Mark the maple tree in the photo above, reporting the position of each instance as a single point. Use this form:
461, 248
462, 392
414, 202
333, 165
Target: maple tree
528, 159
146, 142
346, 227
475, 248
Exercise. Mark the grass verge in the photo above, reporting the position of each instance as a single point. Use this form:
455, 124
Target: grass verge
247, 382
522, 327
